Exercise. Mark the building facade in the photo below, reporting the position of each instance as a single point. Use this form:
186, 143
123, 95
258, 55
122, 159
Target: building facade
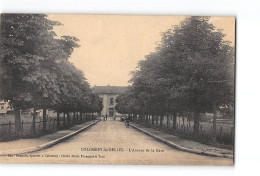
108, 94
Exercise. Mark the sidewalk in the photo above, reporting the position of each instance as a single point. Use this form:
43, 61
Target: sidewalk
34, 144
184, 144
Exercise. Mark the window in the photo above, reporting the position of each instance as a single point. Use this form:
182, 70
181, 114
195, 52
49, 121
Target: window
111, 101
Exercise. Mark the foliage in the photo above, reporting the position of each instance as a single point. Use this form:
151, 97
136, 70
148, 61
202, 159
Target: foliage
35, 70
192, 70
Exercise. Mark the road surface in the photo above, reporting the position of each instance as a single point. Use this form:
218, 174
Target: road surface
110, 142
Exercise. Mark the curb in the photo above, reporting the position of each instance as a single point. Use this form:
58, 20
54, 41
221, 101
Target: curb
48, 144
172, 144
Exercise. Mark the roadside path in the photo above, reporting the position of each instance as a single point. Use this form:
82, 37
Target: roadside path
21, 144
190, 145
110, 142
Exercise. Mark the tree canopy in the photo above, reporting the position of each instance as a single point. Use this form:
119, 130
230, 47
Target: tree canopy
191, 70
35, 70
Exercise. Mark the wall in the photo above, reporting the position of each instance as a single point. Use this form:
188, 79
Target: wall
106, 103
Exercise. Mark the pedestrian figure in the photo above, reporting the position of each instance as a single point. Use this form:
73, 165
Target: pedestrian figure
127, 122
106, 117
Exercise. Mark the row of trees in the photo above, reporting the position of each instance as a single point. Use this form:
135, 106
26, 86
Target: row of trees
35, 71
192, 70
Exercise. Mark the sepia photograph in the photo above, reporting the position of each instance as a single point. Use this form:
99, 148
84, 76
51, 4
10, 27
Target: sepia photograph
117, 89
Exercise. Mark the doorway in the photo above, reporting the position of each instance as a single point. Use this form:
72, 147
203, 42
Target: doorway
111, 112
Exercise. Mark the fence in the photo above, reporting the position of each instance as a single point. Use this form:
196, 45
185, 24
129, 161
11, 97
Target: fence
184, 128
30, 129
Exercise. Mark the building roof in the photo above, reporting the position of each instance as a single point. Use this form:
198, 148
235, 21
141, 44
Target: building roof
109, 89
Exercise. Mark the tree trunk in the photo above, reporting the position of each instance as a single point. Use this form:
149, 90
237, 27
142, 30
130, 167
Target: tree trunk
157, 120
33, 122
80, 114
44, 119
196, 123
77, 117
17, 123
167, 123
68, 117
64, 120
174, 121
74, 117
58, 120
161, 120
152, 119
214, 131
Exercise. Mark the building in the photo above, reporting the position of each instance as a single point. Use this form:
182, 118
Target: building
108, 94
5, 107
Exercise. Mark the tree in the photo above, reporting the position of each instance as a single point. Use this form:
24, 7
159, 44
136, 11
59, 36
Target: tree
24, 40
207, 63
35, 71
191, 71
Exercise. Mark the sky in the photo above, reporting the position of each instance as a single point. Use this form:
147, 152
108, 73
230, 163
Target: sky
112, 45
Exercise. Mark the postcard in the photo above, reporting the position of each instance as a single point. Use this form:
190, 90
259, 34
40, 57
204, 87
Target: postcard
117, 89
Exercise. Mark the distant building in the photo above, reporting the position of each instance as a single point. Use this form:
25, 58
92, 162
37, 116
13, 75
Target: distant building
39, 112
4, 107
109, 95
